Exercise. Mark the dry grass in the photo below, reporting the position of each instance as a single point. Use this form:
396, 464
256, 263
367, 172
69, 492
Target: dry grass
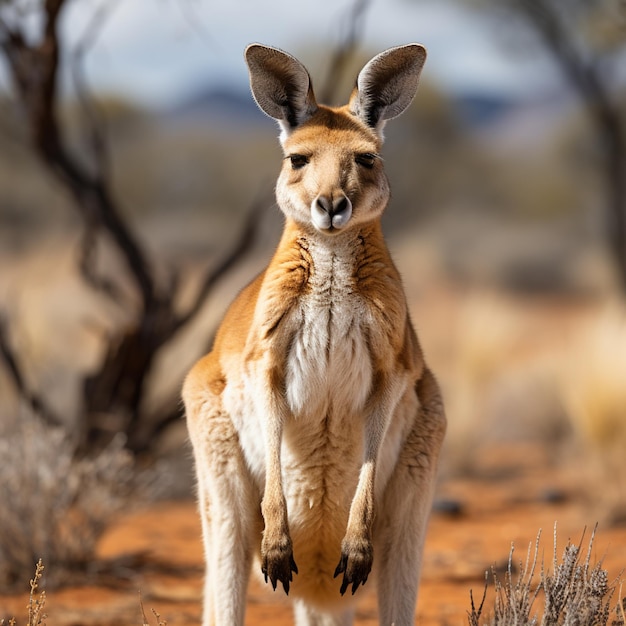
159, 621
501, 382
574, 593
37, 602
594, 392
550, 372
594, 383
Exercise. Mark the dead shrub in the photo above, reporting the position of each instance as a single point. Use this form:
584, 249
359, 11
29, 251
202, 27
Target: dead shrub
55, 506
574, 593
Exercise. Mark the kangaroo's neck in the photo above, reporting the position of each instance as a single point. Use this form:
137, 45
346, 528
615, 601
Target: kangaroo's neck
327, 268
336, 253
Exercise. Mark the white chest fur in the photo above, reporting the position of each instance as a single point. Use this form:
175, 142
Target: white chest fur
329, 365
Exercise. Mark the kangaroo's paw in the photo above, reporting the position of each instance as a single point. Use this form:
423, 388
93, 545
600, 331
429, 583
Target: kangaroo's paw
277, 563
355, 563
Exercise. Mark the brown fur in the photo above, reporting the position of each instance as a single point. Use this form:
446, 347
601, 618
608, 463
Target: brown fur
314, 417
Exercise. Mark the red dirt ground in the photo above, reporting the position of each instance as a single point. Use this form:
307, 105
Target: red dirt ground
513, 492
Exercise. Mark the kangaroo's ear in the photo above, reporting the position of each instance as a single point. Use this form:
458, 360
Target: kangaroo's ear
387, 84
280, 85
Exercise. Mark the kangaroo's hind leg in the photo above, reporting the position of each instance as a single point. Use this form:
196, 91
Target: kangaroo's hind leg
403, 515
229, 502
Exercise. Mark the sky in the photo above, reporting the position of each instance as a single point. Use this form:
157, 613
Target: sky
156, 51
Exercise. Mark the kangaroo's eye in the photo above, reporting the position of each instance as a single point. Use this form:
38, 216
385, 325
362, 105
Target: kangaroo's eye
366, 159
298, 161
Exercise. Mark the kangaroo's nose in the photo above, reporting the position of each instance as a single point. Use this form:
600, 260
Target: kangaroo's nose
330, 206
330, 212
325, 204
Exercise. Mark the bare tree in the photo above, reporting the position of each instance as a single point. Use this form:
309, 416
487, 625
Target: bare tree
586, 39
112, 394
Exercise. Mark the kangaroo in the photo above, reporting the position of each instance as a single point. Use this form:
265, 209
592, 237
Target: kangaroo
315, 423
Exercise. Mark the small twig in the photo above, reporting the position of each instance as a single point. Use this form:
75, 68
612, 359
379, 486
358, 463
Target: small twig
621, 605
474, 616
94, 121
36, 616
144, 619
157, 615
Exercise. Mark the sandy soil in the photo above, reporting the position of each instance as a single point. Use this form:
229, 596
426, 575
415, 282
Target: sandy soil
513, 492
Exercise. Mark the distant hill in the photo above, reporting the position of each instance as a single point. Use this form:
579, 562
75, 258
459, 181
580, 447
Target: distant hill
231, 108
475, 109
499, 118
223, 107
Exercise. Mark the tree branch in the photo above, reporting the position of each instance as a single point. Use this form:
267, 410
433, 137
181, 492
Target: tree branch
87, 266
344, 51
112, 394
14, 369
94, 122
98, 146
584, 77
246, 237
34, 70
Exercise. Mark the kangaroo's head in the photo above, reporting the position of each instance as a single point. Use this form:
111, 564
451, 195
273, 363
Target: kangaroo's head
332, 176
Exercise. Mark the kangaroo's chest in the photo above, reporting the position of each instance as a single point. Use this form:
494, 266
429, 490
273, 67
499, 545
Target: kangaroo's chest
329, 365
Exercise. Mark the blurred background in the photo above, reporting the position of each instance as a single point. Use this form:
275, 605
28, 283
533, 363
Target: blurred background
136, 178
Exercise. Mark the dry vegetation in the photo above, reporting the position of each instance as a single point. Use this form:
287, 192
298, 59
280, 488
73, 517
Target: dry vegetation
574, 593
37, 603
506, 269
56, 505
570, 591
